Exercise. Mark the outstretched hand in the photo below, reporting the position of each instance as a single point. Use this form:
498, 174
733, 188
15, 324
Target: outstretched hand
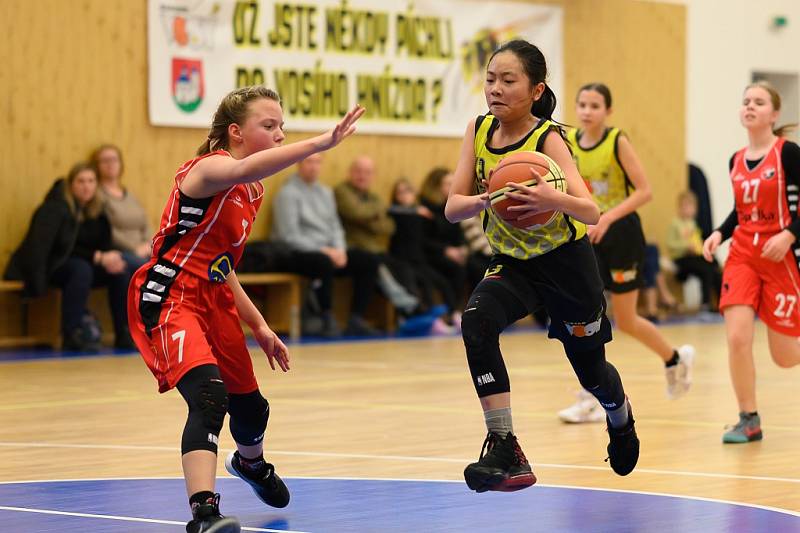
345, 128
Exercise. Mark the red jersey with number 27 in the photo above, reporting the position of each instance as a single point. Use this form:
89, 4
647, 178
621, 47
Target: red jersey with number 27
761, 193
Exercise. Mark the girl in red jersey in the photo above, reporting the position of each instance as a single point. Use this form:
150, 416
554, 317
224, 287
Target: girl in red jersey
184, 305
761, 274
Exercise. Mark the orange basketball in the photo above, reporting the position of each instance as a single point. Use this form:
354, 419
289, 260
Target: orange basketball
517, 168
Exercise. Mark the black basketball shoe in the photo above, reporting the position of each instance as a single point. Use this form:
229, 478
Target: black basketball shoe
206, 519
623, 446
502, 466
267, 485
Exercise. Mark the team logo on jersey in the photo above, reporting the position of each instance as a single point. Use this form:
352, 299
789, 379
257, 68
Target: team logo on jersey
584, 329
768, 174
738, 177
236, 199
220, 268
624, 276
188, 87
493, 271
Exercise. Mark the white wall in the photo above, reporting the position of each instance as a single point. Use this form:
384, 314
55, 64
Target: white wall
727, 41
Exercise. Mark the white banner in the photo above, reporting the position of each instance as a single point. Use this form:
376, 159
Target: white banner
417, 66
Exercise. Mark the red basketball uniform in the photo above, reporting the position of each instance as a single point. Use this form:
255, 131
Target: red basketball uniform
765, 205
180, 310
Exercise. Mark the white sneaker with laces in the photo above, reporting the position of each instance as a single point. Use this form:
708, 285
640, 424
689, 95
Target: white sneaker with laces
586, 409
679, 377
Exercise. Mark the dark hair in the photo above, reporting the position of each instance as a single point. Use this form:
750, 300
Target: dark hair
597, 87
775, 98
232, 110
535, 67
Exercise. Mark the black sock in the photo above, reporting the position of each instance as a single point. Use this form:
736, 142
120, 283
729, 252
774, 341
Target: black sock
751, 415
200, 498
252, 466
674, 360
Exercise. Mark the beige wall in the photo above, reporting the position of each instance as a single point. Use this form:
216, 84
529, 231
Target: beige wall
78, 77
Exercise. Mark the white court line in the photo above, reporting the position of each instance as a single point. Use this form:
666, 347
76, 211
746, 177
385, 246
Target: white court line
127, 518
408, 458
408, 480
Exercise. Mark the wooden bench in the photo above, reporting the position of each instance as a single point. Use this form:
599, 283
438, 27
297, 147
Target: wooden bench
38, 325
281, 300
30, 309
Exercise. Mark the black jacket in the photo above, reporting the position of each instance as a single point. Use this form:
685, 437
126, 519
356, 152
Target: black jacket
52, 238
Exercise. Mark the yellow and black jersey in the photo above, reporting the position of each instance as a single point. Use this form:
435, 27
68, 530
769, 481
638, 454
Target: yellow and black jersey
599, 165
505, 238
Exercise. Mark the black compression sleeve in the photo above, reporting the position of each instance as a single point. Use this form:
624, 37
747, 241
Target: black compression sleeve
790, 157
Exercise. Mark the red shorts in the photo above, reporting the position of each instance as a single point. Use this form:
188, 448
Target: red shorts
772, 289
197, 324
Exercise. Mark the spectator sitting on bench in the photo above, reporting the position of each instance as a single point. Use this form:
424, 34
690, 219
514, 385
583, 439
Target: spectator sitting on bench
305, 219
130, 232
68, 245
368, 228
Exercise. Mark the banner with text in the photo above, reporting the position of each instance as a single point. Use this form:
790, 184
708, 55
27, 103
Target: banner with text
417, 66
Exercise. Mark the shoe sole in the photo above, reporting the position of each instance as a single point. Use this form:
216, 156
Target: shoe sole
752, 438
232, 471
495, 481
602, 418
226, 525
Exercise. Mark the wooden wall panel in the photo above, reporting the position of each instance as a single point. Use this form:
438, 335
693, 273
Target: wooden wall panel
77, 77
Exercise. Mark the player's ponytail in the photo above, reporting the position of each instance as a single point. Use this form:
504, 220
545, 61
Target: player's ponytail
545, 106
232, 110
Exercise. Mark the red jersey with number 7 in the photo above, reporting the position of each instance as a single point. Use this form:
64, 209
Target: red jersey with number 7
206, 236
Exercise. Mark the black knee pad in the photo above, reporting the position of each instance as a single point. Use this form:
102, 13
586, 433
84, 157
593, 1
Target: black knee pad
249, 416
481, 324
205, 394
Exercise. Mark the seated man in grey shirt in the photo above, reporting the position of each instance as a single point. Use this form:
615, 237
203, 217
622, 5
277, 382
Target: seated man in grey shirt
305, 219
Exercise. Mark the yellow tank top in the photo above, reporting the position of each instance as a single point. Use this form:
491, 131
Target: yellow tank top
600, 167
505, 238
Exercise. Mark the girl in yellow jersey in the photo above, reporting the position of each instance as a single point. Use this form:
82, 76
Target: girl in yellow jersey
607, 161
552, 266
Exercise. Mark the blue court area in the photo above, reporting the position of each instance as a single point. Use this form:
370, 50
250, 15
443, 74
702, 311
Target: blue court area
361, 505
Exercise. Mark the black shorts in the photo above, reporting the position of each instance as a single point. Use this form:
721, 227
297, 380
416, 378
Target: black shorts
566, 283
620, 255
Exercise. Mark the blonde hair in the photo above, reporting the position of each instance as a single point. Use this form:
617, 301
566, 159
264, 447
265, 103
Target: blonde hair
94, 158
431, 190
775, 98
687, 196
94, 207
232, 110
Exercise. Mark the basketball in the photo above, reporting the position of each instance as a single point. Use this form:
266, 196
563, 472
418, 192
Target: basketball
517, 168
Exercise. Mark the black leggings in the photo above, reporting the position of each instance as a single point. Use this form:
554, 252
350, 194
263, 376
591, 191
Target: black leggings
493, 307
362, 268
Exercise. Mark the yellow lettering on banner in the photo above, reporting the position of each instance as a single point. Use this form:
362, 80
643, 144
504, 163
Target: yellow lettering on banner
245, 77
424, 37
295, 27
388, 97
245, 23
358, 31
313, 93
